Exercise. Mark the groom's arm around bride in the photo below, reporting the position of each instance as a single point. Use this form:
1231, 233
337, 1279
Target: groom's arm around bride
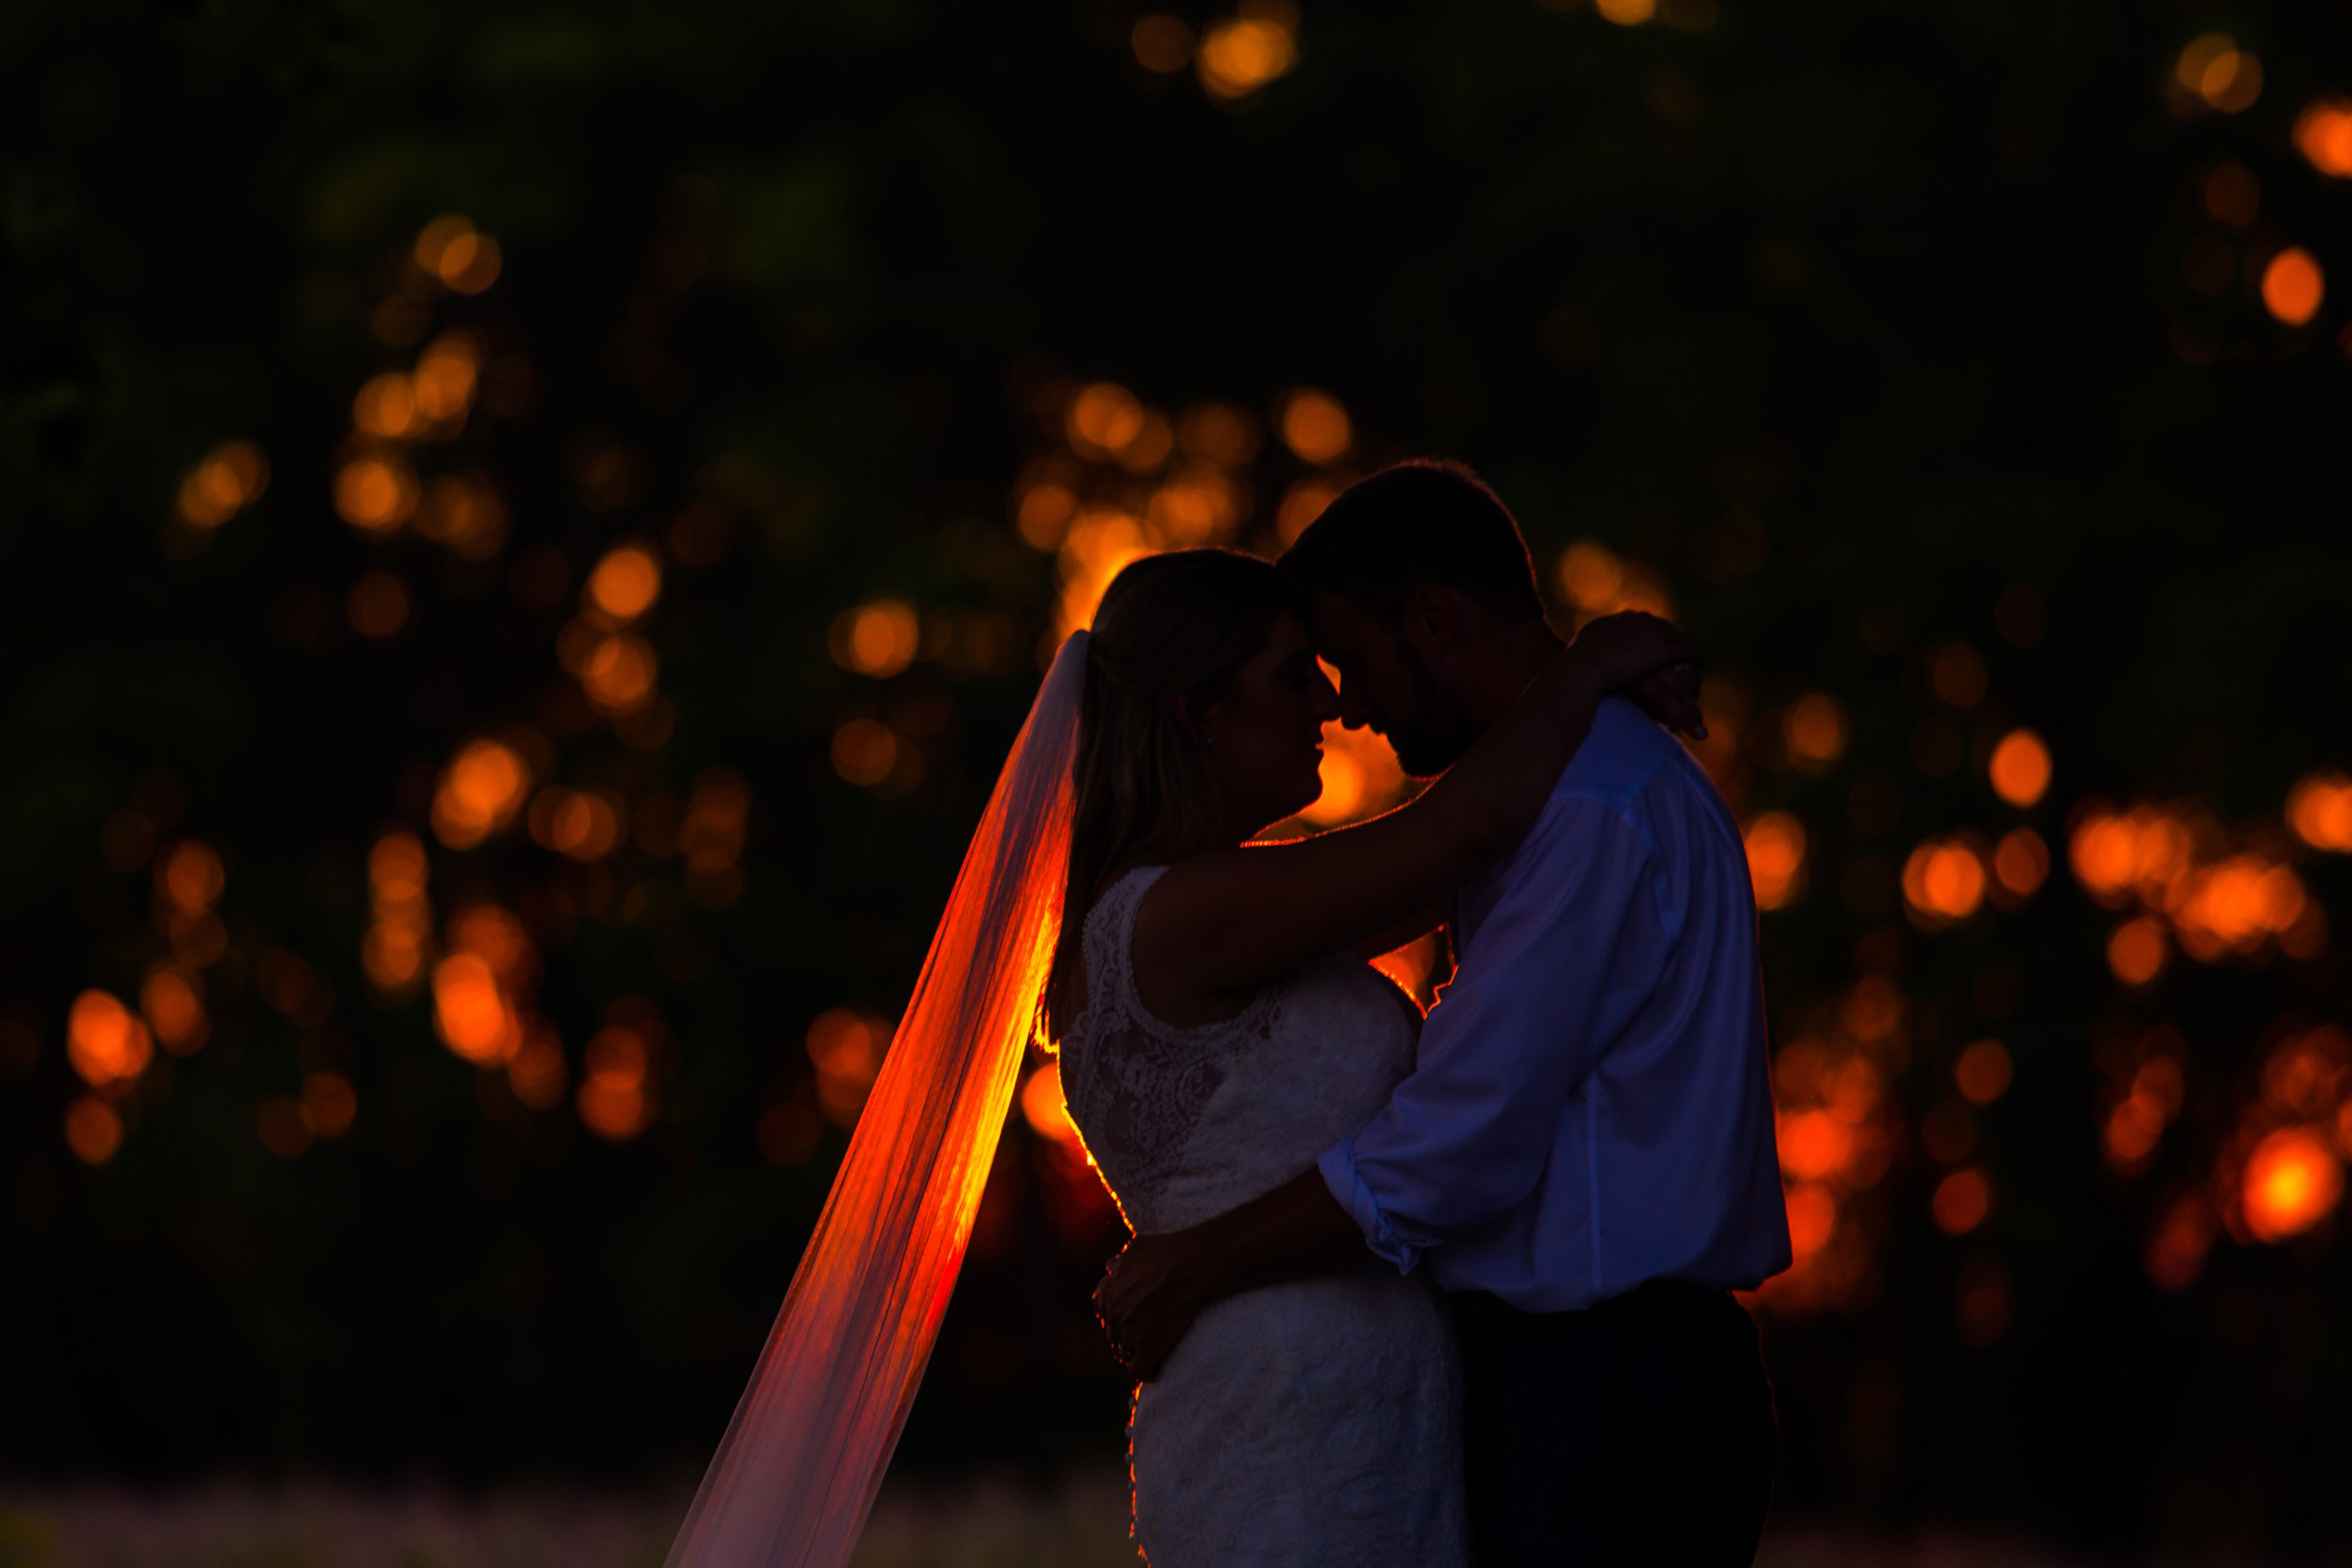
1583, 1157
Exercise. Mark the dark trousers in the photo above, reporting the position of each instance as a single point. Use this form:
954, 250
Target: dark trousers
1636, 1432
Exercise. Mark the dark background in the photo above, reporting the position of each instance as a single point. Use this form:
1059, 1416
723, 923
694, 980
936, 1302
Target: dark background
1839, 322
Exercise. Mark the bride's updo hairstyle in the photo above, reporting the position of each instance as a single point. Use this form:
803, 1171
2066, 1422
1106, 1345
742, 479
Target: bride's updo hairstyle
1171, 626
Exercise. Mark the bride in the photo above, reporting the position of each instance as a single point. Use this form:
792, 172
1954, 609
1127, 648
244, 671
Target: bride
1220, 1028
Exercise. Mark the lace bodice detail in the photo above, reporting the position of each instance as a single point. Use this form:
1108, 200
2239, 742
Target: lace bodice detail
1185, 1123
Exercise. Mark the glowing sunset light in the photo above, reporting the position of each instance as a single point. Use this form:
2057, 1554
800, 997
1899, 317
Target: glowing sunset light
1626, 13
1814, 731
107, 1045
480, 793
230, 478
1042, 1105
1043, 513
2292, 286
1962, 1200
878, 639
1316, 427
1239, 54
93, 1130
1218, 433
583, 824
1360, 777
2323, 134
2320, 812
1775, 858
537, 1074
2021, 768
2293, 1181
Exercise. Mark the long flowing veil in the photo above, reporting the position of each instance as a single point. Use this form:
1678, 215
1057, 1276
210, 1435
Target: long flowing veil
796, 1476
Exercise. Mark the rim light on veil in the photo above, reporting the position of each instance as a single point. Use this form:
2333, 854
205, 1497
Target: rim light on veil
797, 1471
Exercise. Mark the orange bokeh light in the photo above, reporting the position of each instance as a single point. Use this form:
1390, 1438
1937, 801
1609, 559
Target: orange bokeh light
1943, 883
1242, 54
865, 751
1775, 858
108, 1044
2213, 68
2320, 811
846, 1047
480, 793
2020, 862
878, 639
624, 583
2138, 951
470, 1012
2293, 1181
1983, 1072
1360, 777
619, 672
2323, 134
93, 1130
1103, 419
2021, 768
191, 878
174, 1008
1962, 1200
376, 493
2293, 285
230, 477
1814, 731
1316, 427
328, 1104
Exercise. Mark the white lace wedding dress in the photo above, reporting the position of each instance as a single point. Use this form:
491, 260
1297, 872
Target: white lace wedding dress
1310, 1423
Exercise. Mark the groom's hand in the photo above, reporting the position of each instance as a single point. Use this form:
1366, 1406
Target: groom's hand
1146, 1302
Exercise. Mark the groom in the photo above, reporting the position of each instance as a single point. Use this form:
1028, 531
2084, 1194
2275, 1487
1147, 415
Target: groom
1583, 1157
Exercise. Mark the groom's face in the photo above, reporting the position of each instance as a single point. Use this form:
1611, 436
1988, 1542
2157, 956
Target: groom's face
1386, 685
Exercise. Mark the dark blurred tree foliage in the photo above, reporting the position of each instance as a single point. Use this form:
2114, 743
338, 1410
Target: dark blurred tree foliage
1902, 283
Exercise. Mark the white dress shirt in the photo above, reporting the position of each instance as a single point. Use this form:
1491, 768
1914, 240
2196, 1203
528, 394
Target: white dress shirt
1592, 1106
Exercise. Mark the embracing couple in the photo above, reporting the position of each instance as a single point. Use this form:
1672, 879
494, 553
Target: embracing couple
1402, 1291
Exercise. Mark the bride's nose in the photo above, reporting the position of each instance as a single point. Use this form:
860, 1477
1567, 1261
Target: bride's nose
1326, 698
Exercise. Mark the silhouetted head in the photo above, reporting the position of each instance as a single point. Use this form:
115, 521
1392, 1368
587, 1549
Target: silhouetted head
1203, 722
1405, 578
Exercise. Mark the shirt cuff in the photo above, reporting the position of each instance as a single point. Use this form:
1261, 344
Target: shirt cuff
1339, 1168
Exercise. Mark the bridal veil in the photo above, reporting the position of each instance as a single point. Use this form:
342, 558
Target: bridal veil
797, 1471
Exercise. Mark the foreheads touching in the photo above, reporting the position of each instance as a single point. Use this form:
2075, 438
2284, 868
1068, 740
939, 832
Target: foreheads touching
1408, 578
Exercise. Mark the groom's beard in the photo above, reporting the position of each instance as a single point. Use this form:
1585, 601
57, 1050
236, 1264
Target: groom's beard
1438, 729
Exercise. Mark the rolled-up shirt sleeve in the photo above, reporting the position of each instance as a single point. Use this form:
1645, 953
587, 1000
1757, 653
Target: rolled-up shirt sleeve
1549, 976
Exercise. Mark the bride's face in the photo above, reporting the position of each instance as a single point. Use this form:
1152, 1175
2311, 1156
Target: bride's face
1265, 734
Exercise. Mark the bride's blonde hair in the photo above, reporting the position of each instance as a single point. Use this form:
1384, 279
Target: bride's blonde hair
1171, 626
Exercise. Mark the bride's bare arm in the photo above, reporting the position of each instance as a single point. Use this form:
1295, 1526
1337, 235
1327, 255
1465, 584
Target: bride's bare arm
1235, 919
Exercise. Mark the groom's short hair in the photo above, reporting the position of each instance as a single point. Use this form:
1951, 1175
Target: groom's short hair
1427, 521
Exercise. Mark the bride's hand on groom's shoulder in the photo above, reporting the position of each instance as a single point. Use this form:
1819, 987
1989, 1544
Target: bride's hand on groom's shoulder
1145, 1304
1652, 660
